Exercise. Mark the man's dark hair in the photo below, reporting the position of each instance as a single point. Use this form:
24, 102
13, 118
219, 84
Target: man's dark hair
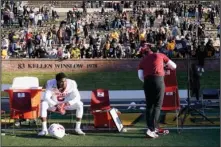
60, 76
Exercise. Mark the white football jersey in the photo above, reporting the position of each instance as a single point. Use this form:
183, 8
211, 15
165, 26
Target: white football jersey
54, 96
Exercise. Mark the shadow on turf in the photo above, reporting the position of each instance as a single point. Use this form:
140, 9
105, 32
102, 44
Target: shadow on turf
31, 136
124, 135
130, 134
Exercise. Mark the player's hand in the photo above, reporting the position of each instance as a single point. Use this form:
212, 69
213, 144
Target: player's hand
67, 104
60, 108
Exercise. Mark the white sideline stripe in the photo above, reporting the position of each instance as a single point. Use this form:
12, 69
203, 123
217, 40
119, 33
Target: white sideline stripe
174, 128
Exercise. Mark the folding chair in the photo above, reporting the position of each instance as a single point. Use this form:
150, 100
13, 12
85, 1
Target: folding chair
100, 109
24, 99
171, 100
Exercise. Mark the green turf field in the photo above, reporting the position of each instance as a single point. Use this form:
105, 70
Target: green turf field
115, 80
197, 137
188, 138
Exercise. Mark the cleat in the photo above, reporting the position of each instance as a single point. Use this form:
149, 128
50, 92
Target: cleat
151, 134
43, 133
202, 69
161, 131
17, 124
79, 132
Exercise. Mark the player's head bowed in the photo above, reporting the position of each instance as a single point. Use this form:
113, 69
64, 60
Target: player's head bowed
61, 80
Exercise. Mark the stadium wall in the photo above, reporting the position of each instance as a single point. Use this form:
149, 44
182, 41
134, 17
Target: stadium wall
90, 65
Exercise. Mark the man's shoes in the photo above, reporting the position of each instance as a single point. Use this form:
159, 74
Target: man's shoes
79, 132
161, 131
43, 133
17, 123
151, 134
202, 69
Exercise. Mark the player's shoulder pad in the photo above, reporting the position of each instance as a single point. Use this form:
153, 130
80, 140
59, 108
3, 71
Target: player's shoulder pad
51, 82
72, 82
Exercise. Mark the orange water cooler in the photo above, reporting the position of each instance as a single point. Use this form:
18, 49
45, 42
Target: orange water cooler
24, 98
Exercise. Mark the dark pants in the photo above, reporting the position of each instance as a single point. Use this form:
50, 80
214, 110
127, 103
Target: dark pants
196, 91
154, 88
201, 61
195, 87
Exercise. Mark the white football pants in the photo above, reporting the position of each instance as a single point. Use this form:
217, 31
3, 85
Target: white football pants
78, 106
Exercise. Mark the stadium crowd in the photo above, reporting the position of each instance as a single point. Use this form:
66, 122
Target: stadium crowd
168, 28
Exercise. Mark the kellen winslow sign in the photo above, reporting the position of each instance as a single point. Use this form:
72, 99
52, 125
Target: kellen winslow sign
52, 66
89, 65
46, 65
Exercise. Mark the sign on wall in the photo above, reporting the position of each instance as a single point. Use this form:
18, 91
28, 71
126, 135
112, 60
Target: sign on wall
91, 65
53, 66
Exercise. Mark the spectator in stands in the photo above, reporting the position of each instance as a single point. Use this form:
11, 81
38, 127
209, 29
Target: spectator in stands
5, 43
131, 30
75, 53
39, 52
210, 48
13, 38
32, 18
61, 38
49, 38
29, 44
6, 17
170, 47
39, 19
218, 31
175, 32
181, 47
4, 47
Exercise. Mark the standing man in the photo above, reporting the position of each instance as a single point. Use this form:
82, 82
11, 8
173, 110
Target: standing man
61, 94
151, 72
195, 81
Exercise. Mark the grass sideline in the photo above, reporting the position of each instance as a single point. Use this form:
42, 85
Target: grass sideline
114, 80
187, 138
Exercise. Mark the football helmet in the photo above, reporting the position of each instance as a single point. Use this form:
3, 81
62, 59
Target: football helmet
57, 131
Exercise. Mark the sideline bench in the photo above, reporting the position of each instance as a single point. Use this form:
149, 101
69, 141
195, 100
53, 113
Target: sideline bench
117, 95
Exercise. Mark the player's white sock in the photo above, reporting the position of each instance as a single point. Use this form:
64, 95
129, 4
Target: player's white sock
78, 128
44, 125
78, 125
